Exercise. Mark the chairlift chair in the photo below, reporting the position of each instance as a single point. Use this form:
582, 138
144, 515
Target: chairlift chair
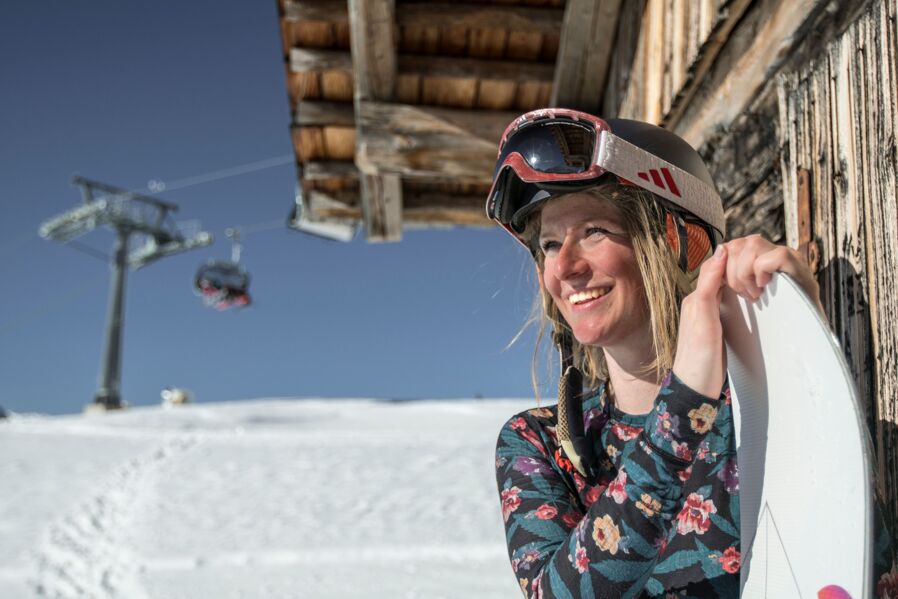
224, 284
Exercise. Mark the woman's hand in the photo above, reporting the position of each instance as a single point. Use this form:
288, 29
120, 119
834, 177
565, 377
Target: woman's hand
753, 260
700, 361
746, 265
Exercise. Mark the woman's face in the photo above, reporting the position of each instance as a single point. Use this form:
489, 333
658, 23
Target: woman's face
590, 270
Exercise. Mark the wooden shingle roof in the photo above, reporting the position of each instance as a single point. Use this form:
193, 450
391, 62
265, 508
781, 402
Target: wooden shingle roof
398, 107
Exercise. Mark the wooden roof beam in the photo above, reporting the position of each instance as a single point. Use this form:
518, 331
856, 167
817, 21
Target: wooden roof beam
330, 11
412, 141
304, 60
426, 142
587, 39
313, 113
425, 14
372, 34
427, 208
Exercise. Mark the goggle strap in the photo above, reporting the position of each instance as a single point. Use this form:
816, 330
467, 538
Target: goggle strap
662, 178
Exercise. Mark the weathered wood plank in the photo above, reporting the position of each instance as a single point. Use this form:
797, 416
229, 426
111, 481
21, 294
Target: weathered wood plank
755, 50
420, 141
487, 43
623, 58
744, 161
475, 68
495, 95
692, 77
313, 113
321, 128
426, 14
323, 143
451, 92
421, 208
304, 60
408, 88
312, 60
331, 11
839, 117
372, 37
382, 206
523, 45
332, 169
373, 55
337, 86
584, 53
453, 41
483, 16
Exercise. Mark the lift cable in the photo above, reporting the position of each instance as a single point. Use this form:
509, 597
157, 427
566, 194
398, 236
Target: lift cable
157, 186
86, 249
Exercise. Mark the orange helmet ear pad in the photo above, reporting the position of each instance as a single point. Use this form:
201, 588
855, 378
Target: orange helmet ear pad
696, 240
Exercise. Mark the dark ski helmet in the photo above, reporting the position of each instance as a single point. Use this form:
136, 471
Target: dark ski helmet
550, 152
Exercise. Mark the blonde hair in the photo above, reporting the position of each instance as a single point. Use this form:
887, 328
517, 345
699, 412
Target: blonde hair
664, 285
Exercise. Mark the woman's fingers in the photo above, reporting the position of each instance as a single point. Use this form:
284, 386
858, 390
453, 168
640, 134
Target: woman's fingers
699, 361
711, 275
740, 269
789, 261
753, 260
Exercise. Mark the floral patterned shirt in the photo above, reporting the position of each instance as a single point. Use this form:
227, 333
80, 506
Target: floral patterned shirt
660, 517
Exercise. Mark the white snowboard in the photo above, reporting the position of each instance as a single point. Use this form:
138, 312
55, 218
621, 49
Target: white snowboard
804, 452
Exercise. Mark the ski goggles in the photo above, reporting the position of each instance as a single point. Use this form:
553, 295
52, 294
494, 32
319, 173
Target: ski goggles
549, 152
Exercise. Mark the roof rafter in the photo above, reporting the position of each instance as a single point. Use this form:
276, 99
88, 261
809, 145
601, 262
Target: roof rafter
372, 34
427, 142
425, 14
304, 60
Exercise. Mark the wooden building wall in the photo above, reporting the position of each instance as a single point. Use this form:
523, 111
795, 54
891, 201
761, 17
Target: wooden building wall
766, 89
839, 121
762, 87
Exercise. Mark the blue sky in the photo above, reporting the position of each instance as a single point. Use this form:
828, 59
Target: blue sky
126, 92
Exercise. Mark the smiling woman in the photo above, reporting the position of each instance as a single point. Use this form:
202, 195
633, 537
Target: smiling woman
629, 486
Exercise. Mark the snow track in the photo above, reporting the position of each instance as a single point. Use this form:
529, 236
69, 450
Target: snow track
82, 554
263, 499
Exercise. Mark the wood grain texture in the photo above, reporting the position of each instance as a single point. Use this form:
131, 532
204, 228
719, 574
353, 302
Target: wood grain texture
382, 206
620, 69
325, 113
753, 53
744, 161
676, 45
484, 16
373, 32
339, 63
331, 11
584, 53
839, 117
427, 142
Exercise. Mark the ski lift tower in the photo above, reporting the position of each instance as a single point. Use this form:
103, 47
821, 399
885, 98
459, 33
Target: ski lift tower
127, 213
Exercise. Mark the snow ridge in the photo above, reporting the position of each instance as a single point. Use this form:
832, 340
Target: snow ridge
82, 554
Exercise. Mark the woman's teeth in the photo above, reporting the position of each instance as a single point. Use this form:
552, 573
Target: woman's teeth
585, 296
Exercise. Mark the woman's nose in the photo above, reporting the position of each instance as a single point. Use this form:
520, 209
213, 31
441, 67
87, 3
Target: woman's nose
569, 260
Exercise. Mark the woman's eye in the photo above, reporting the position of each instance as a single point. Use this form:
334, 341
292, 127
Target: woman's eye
590, 231
548, 246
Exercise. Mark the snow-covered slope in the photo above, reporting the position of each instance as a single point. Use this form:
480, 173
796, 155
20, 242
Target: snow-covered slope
269, 498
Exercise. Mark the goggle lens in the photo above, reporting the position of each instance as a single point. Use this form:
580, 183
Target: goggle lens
555, 148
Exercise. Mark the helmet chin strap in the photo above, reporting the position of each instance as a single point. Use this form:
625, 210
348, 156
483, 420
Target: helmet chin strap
570, 430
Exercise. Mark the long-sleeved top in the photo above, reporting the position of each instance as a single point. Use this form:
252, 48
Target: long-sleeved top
662, 515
